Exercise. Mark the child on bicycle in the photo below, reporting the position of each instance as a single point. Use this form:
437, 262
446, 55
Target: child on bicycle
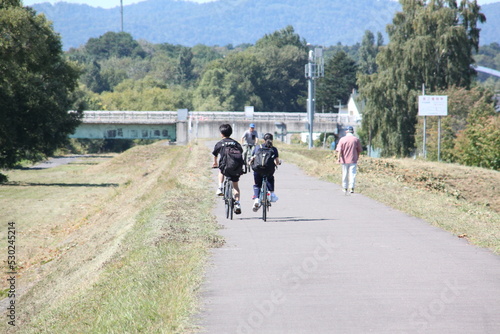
258, 177
226, 162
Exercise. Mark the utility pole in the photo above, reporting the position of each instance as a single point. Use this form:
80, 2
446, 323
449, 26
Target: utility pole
121, 12
314, 69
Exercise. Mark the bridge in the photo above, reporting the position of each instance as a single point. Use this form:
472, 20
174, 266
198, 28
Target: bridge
182, 126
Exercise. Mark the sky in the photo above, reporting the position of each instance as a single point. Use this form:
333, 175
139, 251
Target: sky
101, 3
115, 3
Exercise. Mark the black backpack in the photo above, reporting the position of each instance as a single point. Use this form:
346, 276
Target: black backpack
232, 159
263, 162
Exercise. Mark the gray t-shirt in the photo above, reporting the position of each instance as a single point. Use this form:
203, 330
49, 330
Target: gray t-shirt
250, 137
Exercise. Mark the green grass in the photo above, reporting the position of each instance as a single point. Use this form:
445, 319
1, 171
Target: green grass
139, 251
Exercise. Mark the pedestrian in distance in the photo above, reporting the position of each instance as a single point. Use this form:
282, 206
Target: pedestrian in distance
264, 161
230, 163
349, 148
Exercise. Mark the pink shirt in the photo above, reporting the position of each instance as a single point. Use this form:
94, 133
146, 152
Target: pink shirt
350, 148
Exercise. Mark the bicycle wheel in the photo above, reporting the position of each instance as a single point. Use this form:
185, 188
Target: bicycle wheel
231, 200
263, 196
227, 198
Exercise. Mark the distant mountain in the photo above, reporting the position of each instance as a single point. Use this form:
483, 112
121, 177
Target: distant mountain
223, 22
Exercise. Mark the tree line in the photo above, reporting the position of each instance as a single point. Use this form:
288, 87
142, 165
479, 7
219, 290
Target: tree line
432, 43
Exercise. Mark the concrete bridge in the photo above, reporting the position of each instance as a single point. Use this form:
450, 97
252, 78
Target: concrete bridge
182, 126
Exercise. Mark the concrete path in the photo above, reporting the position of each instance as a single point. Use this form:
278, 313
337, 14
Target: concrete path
329, 263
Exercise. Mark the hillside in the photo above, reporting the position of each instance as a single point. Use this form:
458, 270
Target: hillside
223, 22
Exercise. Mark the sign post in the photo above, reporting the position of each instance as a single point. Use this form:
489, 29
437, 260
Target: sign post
433, 105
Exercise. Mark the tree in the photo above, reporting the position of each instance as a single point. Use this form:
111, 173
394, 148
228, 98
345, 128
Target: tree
338, 82
93, 78
36, 87
269, 76
283, 55
231, 83
431, 43
478, 143
117, 44
185, 67
368, 52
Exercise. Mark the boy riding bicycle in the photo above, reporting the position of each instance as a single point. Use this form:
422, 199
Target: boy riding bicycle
227, 167
249, 139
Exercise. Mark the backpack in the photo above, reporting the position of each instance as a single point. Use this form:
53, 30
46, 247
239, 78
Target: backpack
263, 163
231, 159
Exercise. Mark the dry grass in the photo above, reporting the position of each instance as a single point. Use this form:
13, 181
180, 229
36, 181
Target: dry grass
459, 199
114, 247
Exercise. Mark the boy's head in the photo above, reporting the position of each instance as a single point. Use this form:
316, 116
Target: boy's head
226, 130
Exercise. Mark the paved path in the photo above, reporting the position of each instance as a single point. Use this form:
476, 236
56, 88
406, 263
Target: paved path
329, 263
57, 161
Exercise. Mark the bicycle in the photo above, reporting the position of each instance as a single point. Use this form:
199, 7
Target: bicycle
247, 156
264, 198
228, 197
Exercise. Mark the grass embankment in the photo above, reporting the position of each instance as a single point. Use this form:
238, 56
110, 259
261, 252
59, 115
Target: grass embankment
462, 200
112, 244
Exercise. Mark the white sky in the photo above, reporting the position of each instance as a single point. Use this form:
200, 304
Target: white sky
101, 3
115, 3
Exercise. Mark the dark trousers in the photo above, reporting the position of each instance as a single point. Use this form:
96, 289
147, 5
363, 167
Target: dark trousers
258, 183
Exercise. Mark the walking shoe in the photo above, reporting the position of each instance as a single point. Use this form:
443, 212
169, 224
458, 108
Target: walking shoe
351, 190
237, 208
274, 198
256, 205
219, 192
344, 190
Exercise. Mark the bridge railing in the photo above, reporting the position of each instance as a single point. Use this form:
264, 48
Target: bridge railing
129, 116
171, 116
261, 116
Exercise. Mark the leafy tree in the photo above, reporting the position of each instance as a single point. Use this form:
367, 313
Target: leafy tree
147, 94
281, 38
478, 143
269, 76
283, 55
230, 83
202, 56
36, 86
431, 43
338, 82
185, 66
368, 52
117, 44
93, 78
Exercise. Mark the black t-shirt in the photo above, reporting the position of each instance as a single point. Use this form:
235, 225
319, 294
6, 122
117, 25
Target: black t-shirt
226, 142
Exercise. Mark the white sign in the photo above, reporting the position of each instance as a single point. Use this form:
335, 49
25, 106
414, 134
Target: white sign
433, 105
182, 115
249, 112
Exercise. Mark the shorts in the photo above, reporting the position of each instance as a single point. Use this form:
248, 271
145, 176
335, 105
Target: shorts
233, 177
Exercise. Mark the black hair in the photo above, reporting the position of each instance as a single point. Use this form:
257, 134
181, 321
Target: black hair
226, 130
268, 137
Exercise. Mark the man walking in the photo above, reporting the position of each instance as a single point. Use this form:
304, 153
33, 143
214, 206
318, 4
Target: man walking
349, 148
